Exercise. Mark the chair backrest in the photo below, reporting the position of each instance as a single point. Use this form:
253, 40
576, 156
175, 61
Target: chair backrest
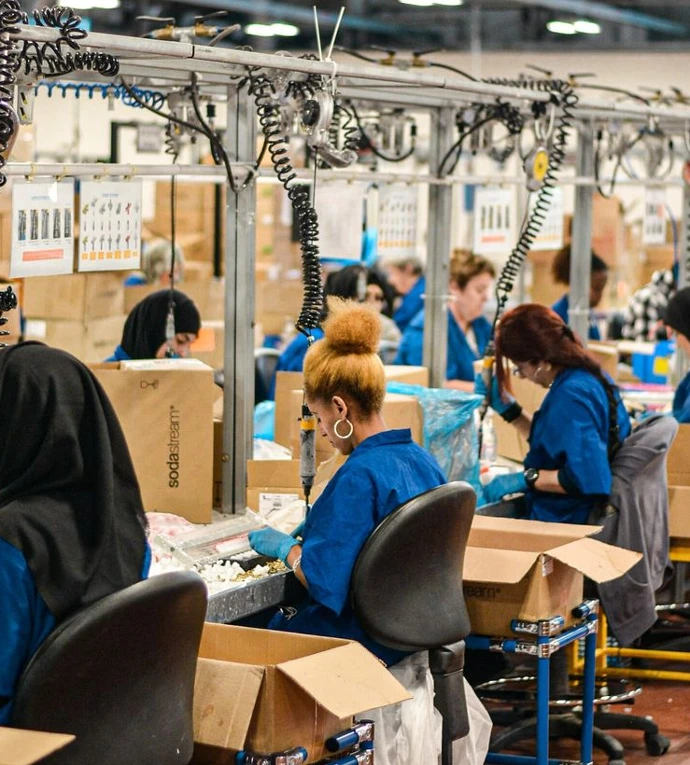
265, 363
120, 676
407, 583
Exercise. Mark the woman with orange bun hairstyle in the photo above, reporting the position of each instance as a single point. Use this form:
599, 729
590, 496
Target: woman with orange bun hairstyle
579, 426
344, 386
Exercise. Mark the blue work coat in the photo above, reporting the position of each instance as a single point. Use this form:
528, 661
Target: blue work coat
411, 305
681, 401
119, 355
562, 306
25, 621
570, 433
382, 473
292, 358
460, 357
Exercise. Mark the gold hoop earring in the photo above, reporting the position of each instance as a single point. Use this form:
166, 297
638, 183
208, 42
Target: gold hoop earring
350, 432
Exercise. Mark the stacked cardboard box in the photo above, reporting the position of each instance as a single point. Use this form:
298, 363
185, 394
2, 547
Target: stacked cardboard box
79, 313
678, 470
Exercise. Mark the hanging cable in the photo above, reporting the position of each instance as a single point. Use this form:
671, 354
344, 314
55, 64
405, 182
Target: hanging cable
10, 15
369, 144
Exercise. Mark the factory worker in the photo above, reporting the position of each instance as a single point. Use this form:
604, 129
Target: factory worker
581, 421
344, 385
156, 264
597, 284
144, 334
379, 296
72, 525
471, 278
677, 317
406, 276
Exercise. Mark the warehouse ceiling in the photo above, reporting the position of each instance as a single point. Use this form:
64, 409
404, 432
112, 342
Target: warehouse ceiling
398, 24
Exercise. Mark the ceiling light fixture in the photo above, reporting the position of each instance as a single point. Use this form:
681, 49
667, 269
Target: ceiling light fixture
284, 30
259, 30
587, 27
87, 5
561, 27
425, 3
449, 2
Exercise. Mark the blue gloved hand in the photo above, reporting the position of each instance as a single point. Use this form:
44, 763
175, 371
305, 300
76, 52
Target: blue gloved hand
510, 483
505, 407
271, 543
297, 531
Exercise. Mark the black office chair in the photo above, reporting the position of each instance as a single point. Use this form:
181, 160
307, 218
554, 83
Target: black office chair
265, 363
119, 675
407, 592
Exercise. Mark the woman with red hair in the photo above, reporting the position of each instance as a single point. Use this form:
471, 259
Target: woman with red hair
579, 426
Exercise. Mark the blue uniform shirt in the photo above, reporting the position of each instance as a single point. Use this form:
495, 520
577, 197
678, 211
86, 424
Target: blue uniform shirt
562, 306
460, 357
119, 355
411, 305
25, 621
681, 401
292, 358
382, 473
571, 432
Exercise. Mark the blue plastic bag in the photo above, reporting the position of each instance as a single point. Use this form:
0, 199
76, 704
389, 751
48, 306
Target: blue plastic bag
450, 431
264, 420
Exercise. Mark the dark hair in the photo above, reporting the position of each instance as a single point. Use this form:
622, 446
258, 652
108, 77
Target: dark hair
347, 282
534, 333
379, 279
464, 266
560, 268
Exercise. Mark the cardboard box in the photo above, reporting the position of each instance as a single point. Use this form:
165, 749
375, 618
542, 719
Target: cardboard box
606, 355
608, 235
24, 747
679, 512
509, 443
165, 407
79, 297
209, 346
265, 691
271, 483
91, 341
286, 382
677, 461
408, 375
531, 570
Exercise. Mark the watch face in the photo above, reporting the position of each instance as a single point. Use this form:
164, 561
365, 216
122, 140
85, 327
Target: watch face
531, 475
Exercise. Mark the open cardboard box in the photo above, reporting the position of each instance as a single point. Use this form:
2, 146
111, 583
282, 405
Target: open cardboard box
24, 747
516, 569
679, 513
678, 472
264, 691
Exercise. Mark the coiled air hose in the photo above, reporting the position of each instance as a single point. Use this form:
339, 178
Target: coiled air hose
10, 15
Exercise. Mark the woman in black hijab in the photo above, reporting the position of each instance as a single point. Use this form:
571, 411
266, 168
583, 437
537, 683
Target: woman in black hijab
144, 333
72, 524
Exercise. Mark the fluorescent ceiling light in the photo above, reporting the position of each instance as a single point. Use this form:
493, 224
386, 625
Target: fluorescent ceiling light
448, 2
285, 30
561, 27
86, 5
259, 30
425, 3
587, 27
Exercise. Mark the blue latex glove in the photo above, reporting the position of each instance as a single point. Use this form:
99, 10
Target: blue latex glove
510, 483
271, 543
496, 402
297, 531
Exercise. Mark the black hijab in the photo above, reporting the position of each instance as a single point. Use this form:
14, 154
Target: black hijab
69, 497
144, 331
677, 314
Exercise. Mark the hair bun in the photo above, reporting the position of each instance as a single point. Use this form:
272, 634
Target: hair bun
352, 327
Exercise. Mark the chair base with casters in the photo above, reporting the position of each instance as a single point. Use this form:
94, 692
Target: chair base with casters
407, 592
119, 675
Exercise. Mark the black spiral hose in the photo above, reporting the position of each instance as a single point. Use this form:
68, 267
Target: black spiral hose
268, 109
10, 15
8, 301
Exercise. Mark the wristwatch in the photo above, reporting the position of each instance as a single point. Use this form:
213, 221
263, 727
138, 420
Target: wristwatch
531, 477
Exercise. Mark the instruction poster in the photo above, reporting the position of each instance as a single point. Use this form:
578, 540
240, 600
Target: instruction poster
397, 217
494, 221
110, 226
42, 239
550, 236
654, 228
340, 207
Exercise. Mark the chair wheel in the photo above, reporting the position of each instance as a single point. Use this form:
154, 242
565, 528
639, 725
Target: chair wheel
656, 744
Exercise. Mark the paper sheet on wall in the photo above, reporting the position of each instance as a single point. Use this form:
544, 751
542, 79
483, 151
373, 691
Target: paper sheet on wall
550, 236
654, 229
340, 207
42, 238
110, 226
494, 221
397, 218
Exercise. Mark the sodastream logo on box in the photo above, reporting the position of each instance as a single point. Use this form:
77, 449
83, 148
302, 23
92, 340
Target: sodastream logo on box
174, 448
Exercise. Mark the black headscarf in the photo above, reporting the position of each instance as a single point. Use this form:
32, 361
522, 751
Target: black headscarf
69, 497
144, 331
677, 313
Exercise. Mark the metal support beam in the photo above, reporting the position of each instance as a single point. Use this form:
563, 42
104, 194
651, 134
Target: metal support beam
682, 362
581, 258
238, 392
438, 252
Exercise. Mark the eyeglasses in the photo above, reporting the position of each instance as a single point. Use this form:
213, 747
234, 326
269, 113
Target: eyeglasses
518, 371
